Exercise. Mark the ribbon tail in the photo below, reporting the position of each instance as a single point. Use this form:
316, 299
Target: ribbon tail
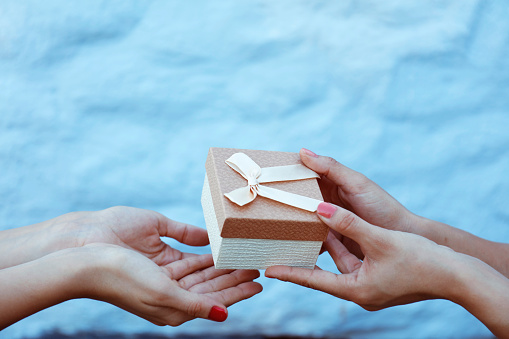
241, 196
286, 173
295, 200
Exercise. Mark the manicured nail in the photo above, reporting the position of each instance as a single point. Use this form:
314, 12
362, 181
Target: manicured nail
326, 210
218, 314
308, 152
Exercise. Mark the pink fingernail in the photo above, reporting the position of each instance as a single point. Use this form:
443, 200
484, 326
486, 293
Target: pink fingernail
326, 210
308, 152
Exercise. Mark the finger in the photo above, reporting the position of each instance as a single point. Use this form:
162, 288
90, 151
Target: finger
169, 255
199, 305
179, 269
347, 223
226, 281
324, 281
184, 233
345, 261
351, 245
238, 293
201, 276
331, 169
227, 297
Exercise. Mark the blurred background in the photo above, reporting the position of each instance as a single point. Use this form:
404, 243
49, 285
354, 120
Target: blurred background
107, 103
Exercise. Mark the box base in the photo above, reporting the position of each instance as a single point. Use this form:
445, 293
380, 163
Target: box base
237, 253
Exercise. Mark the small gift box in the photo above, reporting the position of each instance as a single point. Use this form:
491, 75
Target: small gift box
259, 209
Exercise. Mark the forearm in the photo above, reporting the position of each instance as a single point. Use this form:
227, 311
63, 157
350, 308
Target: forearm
27, 243
484, 292
38, 284
493, 253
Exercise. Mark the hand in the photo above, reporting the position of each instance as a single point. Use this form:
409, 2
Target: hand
398, 268
133, 228
164, 295
353, 191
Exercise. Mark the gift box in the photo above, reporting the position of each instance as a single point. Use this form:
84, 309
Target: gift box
259, 209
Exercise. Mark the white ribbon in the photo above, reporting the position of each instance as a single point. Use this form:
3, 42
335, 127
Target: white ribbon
255, 176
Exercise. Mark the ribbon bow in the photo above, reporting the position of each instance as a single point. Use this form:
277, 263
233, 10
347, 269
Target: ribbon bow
255, 176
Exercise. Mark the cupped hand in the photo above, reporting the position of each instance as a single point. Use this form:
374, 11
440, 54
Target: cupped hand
134, 228
164, 295
398, 267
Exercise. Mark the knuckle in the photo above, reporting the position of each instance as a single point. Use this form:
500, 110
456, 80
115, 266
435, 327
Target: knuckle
185, 233
173, 323
158, 323
360, 183
347, 220
160, 298
115, 209
363, 298
362, 180
331, 164
371, 308
194, 308
170, 271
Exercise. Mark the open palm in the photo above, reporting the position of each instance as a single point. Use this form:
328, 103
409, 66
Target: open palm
169, 294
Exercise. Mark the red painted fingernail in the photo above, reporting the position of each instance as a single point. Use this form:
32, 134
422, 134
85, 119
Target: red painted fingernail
326, 210
308, 152
218, 314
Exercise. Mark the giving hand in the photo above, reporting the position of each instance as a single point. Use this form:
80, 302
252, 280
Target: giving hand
397, 268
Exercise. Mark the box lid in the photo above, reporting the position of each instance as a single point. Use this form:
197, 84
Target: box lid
263, 218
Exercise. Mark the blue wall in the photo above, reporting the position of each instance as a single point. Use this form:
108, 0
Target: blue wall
117, 102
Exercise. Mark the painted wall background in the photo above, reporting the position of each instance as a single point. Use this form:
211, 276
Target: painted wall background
117, 102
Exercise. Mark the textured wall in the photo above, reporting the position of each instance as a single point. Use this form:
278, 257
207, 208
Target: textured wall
116, 102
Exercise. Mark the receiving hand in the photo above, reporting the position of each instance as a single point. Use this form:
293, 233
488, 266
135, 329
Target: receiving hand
164, 295
398, 268
133, 228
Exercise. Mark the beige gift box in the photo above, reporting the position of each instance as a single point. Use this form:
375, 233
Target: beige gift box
263, 232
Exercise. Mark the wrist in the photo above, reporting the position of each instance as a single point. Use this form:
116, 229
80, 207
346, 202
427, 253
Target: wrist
24, 244
427, 228
74, 266
443, 269
39, 284
98, 271
473, 278
75, 229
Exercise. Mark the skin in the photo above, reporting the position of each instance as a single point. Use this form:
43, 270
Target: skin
117, 256
356, 193
384, 264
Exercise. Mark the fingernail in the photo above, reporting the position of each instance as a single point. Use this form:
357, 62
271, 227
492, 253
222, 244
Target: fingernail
308, 152
218, 314
326, 210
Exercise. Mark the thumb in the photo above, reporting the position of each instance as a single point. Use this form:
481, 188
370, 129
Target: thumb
347, 223
200, 306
